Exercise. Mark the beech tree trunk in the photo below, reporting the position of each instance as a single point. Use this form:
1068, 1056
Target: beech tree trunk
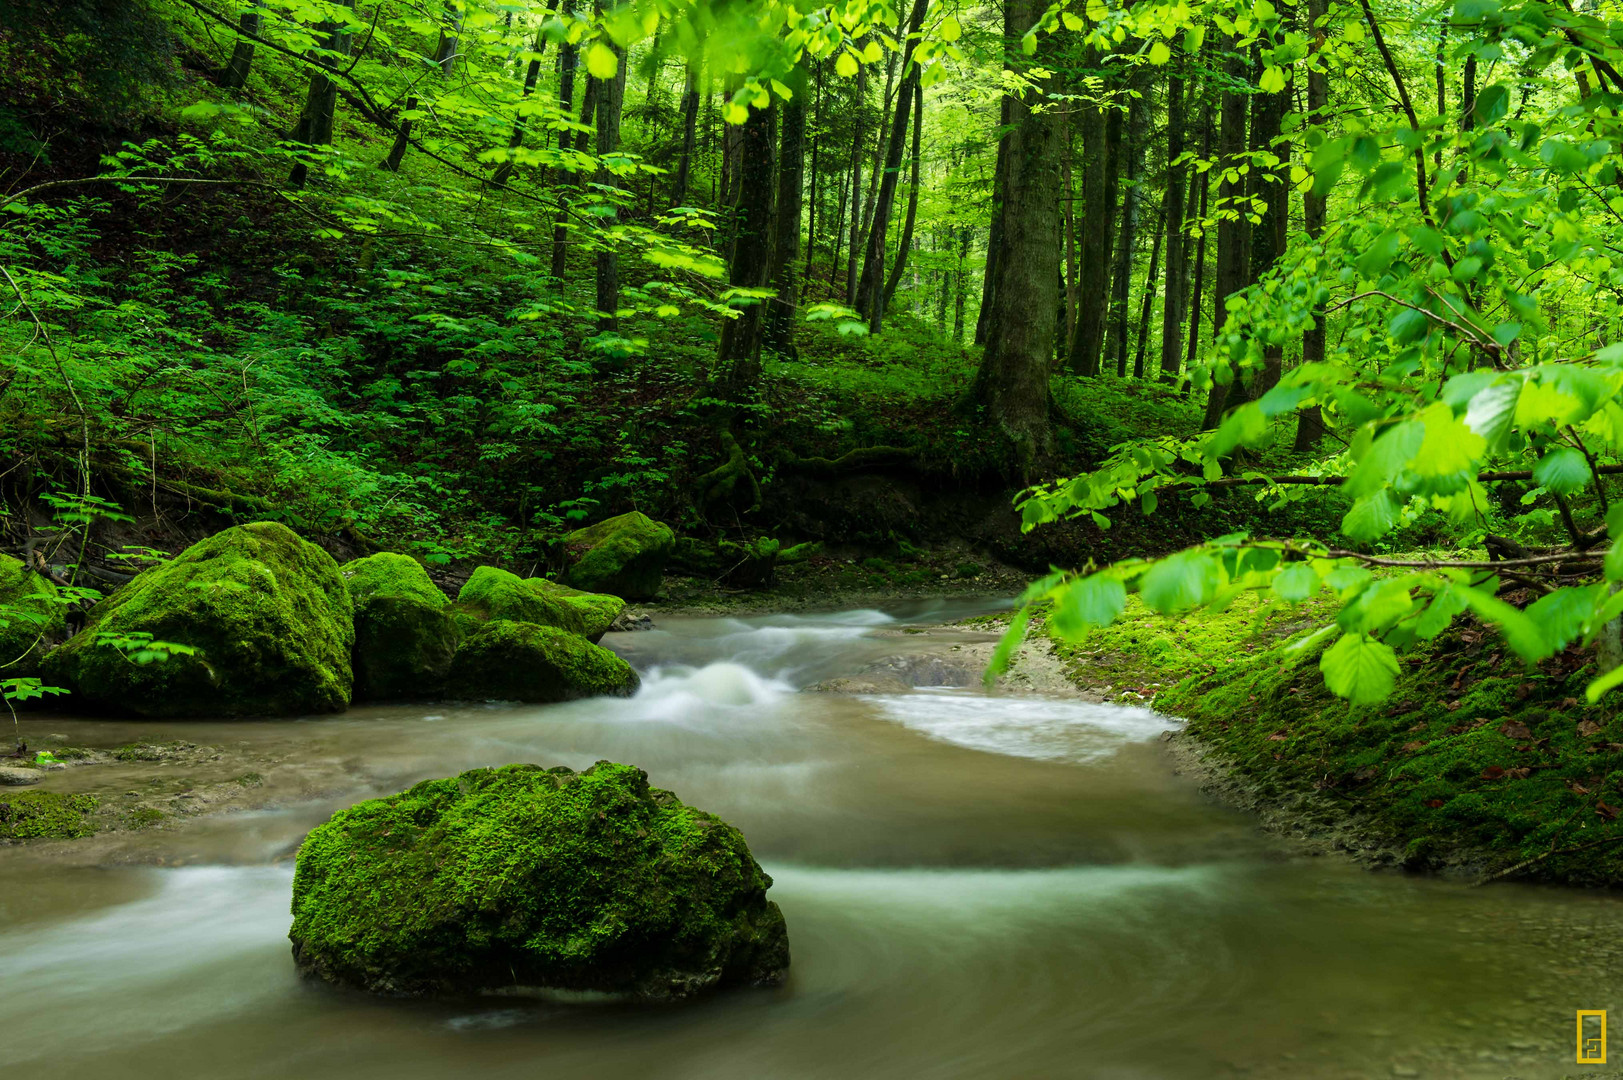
1310, 421
912, 212
870, 296
1012, 382
856, 187
1127, 247
994, 235
1149, 295
784, 274
610, 98
1233, 232
959, 283
532, 75
690, 131
1200, 248
1099, 163
315, 126
1177, 264
235, 75
560, 232
738, 361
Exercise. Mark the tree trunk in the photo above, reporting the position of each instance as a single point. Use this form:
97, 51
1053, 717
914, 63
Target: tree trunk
994, 235
1127, 248
445, 56
1177, 264
402, 139
856, 187
315, 126
610, 98
1270, 185
738, 361
690, 125
1099, 163
912, 210
959, 283
1200, 250
1233, 231
871, 295
784, 272
532, 75
811, 206
235, 75
879, 145
1068, 201
1012, 382
560, 232
1310, 421
1149, 295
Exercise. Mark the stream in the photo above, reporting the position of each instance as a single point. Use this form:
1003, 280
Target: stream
976, 886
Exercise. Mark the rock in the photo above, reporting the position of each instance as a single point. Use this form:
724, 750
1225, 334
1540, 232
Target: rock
632, 621
491, 594
523, 878
31, 618
268, 613
404, 636
516, 661
924, 670
623, 556
860, 684
598, 611
13, 776
749, 565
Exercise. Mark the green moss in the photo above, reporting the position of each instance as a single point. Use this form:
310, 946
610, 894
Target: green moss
491, 593
31, 616
404, 636
268, 612
523, 877
800, 552
1473, 762
623, 556
597, 611
38, 815
389, 574
516, 661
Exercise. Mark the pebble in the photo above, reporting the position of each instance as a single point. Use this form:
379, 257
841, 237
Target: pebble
12, 776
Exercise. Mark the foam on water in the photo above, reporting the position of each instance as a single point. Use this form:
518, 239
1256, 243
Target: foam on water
680, 692
1050, 730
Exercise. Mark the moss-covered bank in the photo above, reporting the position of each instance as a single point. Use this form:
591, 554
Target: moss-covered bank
523, 877
1475, 765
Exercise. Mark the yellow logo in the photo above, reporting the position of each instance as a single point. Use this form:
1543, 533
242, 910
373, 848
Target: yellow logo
1592, 1044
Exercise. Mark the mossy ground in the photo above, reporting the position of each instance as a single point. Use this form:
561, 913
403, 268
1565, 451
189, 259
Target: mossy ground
1475, 764
45, 815
524, 877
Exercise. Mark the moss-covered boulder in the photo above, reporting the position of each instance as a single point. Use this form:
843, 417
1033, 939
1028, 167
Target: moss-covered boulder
528, 878
623, 556
492, 594
31, 618
515, 661
404, 636
597, 611
267, 612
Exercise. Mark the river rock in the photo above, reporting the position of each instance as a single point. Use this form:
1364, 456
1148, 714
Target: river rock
522, 878
516, 661
267, 612
599, 612
491, 593
13, 776
31, 617
404, 636
623, 556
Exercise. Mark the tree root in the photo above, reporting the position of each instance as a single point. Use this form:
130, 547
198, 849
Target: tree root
721, 484
858, 460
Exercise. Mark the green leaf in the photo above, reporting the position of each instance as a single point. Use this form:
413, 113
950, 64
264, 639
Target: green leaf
1272, 81
1379, 255
1563, 471
846, 64
1491, 105
1360, 669
1561, 615
1297, 582
1012, 637
601, 62
950, 30
1159, 53
1599, 686
1092, 601
1371, 517
1179, 582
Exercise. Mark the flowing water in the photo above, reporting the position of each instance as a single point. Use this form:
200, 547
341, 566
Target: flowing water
976, 886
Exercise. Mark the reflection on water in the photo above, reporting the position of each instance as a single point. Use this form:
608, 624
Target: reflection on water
976, 886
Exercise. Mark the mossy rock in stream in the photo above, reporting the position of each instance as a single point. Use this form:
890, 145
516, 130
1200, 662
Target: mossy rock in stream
515, 661
31, 617
597, 611
404, 636
45, 815
528, 878
267, 612
491, 593
622, 556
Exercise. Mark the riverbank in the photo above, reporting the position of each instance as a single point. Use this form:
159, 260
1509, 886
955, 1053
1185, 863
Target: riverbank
1474, 768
